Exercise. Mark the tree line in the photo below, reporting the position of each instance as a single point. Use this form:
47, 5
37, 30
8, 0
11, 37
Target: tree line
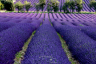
52, 5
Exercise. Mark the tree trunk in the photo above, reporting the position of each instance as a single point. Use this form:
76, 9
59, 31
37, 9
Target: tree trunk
72, 10
18, 11
42, 9
27, 11
64, 11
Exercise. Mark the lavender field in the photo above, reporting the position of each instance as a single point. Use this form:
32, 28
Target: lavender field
47, 36
64, 32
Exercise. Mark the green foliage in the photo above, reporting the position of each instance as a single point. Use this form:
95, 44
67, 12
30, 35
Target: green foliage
79, 8
56, 8
37, 6
79, 1
19, 6
48, 7
10, 0
92, 0
79, 5
54, 4
67, 0
66, 6
18, 55
72, 6
27, 5
9, 5
92, 4
1, 6
42, 3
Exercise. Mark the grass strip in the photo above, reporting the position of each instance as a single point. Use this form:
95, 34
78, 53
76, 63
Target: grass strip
20, 55
82, 12
49, 19
68, 53
40, 24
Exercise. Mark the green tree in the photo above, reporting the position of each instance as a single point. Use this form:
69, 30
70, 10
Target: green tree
1, 6
55, 5
9, 5
56, 8
19, 6
79, 5
48, 7
79, 8
37, 6
66, 7
92, 4
27, 5
91, 0
72, 6
42, 3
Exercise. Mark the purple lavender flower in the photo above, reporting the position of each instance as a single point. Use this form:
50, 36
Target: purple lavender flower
45, 48
12, 40
82, 47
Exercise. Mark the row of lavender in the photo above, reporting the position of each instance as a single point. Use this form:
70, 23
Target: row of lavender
74, 19
68, 19
19, 33
81, 48
20, 18
81, 41
50, 52
45, 47
85, 6
12, 38
54, 15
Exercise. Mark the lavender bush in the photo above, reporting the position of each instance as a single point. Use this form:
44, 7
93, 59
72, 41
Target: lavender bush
12, 40
45, 48
36, 23
4, 26
81, 46
90, 31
